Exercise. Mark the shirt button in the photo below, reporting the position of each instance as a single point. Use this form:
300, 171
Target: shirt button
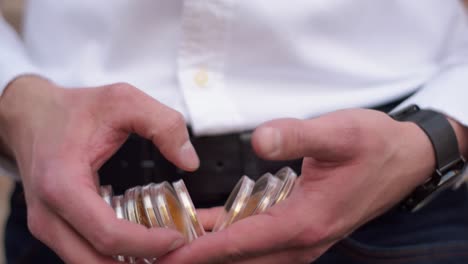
201, 78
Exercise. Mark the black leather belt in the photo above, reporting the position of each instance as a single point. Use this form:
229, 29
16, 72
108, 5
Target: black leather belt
224, 159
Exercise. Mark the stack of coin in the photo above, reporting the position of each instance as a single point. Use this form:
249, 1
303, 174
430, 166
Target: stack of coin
170, 206
156, 205
250, 198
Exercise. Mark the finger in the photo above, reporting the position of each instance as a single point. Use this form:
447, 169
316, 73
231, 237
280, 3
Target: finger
209, 216
297, 256
88, 213
327, 138
252, 236
165, 127
64, 241
119, 237
144, 261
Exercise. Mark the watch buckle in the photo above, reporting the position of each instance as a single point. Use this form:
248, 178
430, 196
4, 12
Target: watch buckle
446, 172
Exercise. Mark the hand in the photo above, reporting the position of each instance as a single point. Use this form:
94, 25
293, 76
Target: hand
357, 165
60, 138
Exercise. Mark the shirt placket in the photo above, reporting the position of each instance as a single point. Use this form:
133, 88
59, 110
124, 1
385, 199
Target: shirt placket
201, 65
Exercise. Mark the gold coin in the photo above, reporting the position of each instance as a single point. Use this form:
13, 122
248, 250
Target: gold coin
288, 177
189, 209
235, 204
148, 205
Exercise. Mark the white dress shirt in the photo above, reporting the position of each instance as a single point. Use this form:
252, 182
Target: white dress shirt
230, 65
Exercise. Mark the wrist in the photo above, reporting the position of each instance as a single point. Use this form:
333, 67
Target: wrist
448, 145
461, 132
21, 99
418, 153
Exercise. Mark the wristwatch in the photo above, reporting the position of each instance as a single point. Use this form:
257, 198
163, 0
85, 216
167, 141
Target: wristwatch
449, 162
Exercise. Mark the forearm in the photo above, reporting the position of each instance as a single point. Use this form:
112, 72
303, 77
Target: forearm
17, 102
14, 62
16, 69
5, 108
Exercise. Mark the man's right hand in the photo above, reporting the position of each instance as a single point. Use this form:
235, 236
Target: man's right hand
60, 138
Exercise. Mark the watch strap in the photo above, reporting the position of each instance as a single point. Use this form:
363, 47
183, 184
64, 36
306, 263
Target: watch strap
439, 131
444, 142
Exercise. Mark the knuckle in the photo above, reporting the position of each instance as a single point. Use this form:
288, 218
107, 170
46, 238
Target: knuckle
301, 136
48, 189
313, 235
232, 255
35, 225
119, 91
350, 132
105, 242
174, 123
233, 251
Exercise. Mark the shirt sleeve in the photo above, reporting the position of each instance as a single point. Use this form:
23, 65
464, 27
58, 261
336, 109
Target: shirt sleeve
447, 90
13, 58
13, 63
446, 93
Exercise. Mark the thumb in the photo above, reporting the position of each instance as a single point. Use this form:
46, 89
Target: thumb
330, 138
134, 111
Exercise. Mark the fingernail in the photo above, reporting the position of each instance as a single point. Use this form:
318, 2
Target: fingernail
177, 244
270, 141
189, 156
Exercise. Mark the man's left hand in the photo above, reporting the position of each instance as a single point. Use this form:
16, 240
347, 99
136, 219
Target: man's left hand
357, 165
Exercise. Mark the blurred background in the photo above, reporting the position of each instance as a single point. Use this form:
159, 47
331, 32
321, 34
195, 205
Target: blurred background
12, 10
